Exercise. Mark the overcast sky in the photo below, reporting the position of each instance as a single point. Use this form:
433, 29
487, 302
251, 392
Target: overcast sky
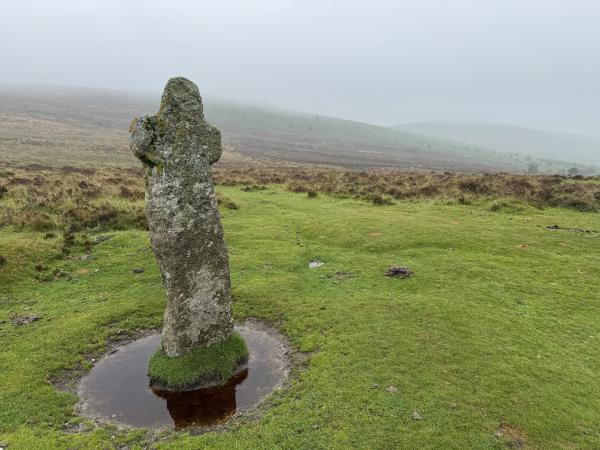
527, 62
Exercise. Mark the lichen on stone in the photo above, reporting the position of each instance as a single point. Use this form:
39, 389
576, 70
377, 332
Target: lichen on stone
177, 147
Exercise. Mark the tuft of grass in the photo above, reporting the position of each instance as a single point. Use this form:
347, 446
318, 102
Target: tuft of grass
203, 365
45, 199
226, 202
381, 200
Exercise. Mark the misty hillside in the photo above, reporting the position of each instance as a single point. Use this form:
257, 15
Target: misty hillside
77, 126
513, 139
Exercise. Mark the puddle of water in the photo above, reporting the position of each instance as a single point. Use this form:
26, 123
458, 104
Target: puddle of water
117, 388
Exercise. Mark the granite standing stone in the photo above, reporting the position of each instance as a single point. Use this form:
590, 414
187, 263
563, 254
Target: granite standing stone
177, 147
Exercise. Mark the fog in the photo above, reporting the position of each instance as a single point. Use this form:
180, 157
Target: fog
532, 63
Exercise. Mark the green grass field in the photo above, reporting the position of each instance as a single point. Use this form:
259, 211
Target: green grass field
494, 341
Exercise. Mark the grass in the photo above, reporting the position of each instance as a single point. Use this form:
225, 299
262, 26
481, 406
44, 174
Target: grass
493, 341
108, 199
215, 365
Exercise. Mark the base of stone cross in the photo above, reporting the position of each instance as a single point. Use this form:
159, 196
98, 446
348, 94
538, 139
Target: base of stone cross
199, 368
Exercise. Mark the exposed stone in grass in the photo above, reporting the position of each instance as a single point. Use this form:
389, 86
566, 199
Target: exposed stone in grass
24, 319
398, 272
416, 416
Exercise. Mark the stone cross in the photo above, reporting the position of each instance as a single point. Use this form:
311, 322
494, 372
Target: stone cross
177, 147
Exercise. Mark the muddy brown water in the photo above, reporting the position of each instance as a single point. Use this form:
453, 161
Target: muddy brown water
117, 389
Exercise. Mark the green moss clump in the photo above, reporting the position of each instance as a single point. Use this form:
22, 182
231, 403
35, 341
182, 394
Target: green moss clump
203, 365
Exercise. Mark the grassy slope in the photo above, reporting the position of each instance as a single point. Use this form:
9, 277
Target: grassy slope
485, 332
307, 138
61, 126
510, 138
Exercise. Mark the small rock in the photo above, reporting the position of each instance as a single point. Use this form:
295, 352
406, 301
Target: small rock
314, 264
391, 388
499, 434
3, 445
100, 239
85, 258
22, 320
398, 272
416, 416
374, 385
138, 270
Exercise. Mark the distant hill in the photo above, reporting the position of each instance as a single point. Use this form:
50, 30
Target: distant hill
88, 127
513, 139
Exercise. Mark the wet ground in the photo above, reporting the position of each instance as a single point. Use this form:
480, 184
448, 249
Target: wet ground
117, 388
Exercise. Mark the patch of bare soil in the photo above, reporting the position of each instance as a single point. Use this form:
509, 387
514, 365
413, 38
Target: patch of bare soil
398, 272
514, 437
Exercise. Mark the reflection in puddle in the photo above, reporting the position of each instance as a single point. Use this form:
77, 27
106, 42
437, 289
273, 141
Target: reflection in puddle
117, 389
203, 406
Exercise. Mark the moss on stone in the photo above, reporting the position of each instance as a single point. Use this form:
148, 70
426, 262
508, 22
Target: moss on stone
212, 365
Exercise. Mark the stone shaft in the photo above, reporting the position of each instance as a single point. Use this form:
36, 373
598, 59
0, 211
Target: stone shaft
177, 147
